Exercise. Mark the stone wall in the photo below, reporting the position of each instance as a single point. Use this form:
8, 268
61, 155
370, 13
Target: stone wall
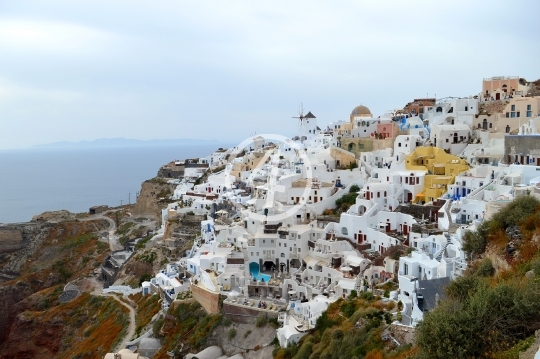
422, 211
342, 157
521, 145
208, 300
245, 314
403, 334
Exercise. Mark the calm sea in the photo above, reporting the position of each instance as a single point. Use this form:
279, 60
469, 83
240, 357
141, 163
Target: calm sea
33, 181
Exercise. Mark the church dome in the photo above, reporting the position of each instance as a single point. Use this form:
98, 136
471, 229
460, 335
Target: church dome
361, 110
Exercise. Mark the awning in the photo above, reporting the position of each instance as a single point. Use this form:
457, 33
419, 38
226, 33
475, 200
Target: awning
354, 260
310, 261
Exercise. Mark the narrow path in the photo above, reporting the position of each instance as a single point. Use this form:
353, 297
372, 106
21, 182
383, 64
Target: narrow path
131, 328
113, 238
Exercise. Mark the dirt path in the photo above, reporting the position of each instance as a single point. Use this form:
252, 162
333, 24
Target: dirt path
131, 328
113, 238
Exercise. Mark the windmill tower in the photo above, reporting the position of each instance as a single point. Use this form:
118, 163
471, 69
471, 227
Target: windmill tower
307, 124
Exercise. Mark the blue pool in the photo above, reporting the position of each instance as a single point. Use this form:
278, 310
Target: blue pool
254, 270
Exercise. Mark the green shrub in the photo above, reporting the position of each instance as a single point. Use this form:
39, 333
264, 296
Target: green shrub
262, 320
367, 296
226, 321
348, 308
231, 333
485, 268
324, 322
484, 320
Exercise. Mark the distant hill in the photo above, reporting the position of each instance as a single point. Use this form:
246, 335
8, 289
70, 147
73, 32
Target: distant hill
125, 142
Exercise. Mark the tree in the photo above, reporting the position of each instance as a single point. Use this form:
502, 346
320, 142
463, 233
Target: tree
483, 320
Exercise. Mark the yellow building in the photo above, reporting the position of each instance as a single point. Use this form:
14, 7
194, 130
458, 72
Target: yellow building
248, 163
342, 157
441, 167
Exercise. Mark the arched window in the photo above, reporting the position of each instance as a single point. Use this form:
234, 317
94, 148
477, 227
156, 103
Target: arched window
344, 231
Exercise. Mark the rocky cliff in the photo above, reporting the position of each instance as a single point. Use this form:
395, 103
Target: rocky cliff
152, 199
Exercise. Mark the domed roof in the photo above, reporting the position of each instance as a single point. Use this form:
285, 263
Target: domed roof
361, 110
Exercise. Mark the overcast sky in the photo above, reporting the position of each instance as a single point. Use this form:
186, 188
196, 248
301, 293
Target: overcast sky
82, 70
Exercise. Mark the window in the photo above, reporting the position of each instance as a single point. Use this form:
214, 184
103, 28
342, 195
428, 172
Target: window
507, 116
518, 114
344, 231
399, 144
491, 125
529, 112
513, 107
406, 269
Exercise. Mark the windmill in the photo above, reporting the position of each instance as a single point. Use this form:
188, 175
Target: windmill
300, 116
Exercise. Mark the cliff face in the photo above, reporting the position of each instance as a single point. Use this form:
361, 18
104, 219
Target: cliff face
153, 197
53, 254
87, 327
8, 296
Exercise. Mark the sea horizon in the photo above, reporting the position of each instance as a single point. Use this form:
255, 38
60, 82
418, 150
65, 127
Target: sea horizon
39, 179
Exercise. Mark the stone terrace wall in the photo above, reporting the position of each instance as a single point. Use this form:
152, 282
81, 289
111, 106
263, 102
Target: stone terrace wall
208, 300
245, 314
